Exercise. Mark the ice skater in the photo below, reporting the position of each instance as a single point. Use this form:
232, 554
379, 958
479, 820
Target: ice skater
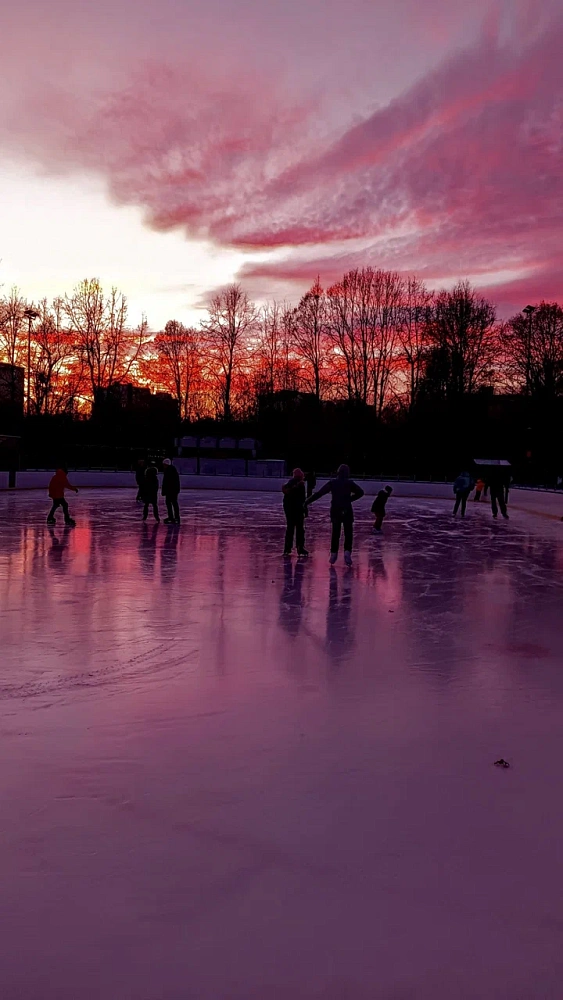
479, 487
378, 507
171, 491
462, 488
497, 487
150, 492
140, 479
57, 486
294, 510
344, 492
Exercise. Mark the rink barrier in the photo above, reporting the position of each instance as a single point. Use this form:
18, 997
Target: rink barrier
95, 479
545, 503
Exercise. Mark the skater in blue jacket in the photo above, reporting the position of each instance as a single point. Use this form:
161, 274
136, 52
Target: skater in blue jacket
462, 488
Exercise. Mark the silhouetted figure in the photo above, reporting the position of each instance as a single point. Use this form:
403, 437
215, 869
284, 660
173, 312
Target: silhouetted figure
462, 488
171, 491
140, 479
311, 482
378, 506
59, 483
479, 487
339, 635
148, 550
344, 492
150, 492
169, 554
294, 510
291, 600
57, 550
497, 484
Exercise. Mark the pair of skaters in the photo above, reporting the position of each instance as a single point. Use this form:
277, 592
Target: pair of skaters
147, 481
343, 493
464, 485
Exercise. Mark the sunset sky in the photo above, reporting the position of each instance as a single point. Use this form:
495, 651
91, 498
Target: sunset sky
171, 146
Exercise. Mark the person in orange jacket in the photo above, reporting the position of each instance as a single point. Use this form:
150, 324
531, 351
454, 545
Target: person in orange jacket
59, 483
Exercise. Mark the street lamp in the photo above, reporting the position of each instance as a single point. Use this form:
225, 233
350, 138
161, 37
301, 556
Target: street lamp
30, 314
529, 312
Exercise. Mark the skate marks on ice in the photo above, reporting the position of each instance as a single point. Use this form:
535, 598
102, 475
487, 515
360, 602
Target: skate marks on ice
278, 763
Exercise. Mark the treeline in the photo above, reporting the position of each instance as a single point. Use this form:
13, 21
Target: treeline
375, 338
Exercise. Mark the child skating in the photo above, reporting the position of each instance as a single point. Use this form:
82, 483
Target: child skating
378, 507
59, 483
344, 492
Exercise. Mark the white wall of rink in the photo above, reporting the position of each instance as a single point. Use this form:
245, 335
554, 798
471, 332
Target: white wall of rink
544, 502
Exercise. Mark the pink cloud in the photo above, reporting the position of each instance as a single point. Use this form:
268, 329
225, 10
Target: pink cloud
460, 173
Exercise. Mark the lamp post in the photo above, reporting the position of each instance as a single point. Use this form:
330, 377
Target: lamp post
30, 314
529, 312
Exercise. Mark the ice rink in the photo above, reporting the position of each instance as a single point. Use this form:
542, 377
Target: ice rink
227, 776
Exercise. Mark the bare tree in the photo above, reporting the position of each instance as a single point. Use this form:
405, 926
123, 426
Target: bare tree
464, 336
232, 321
533, 351
109, 349
388, 294
12, 327
416, 316
276, 366
309, 335
349, 329
178, 367
57, 376
268, 349
363, 321
12, 338
290, 368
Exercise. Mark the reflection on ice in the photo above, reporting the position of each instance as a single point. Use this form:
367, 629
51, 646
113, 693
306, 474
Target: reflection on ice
271, 778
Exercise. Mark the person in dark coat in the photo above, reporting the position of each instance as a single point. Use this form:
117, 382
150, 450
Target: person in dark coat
140, 479
170, 491
150, 492
343, 492
294, 510
496, 481
378, 506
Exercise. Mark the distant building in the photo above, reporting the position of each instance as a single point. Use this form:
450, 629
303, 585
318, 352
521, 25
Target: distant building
126, 398
12, 382
123, 396
286, 400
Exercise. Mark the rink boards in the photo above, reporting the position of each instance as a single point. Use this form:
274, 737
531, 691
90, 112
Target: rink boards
542, 502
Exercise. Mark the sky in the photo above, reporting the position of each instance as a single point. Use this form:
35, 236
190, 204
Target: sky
172, 146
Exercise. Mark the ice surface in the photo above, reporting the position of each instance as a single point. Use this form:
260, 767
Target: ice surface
229, 776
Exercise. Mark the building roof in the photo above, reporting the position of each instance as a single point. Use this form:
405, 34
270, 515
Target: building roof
492, 461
